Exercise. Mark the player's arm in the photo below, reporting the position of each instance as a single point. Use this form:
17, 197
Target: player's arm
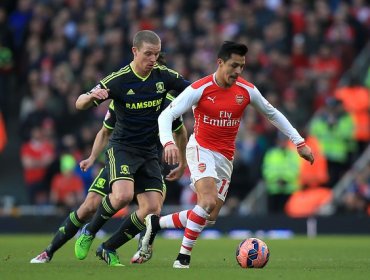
178, 107
100, 142
93, 97
281, 122
101, 92
101, 138
181, 139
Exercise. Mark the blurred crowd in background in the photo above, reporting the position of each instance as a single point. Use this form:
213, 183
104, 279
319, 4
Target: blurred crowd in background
51, 51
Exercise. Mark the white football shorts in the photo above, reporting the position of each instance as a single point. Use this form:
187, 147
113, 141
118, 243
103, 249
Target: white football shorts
203, 163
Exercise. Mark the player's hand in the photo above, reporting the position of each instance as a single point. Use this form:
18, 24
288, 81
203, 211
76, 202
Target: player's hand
100, 94
86, 164
306, 153
171, 154
175, 173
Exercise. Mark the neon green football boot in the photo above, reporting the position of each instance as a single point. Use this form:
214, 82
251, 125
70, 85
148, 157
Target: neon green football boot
109, 256
83, 243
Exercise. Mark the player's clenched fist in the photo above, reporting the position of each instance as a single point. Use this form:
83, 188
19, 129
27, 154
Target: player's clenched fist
306, 153
99, 94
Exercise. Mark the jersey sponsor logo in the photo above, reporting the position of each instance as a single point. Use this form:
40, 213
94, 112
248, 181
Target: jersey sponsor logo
221, 122
100, 183
124, 170
146, 104
202, 167
212, 99
160, 87
239, 99
130, 92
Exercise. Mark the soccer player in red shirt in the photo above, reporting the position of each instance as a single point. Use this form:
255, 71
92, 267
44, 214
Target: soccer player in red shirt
218, 102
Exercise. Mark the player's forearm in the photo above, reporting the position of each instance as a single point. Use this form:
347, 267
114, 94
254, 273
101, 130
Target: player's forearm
282, 123
181, 139
100, 142
178, 107
84, 101
275, 116
165, 120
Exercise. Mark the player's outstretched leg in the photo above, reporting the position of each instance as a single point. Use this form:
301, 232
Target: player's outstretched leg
152, 227
109, 256
66, 231
83, 243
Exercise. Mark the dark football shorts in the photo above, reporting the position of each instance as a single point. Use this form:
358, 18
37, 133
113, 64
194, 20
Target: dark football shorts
141, 168
100, 184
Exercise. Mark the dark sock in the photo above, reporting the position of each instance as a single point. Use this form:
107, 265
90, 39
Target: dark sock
155, 228
104, 212
66, 231
129, 228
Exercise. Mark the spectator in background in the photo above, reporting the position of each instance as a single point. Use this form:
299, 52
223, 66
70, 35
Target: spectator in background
67, 188
356, 101
6, 65
93, 38
357, 197
326, 64
313, 191
36, 155
280, 170
334, 129
3, 133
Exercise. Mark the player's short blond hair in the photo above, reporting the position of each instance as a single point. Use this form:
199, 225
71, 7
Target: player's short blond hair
146, 36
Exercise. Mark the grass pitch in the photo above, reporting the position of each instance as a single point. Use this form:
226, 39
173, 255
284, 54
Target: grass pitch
325, 257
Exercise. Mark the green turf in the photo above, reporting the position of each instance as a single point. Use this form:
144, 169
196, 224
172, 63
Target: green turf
329, 257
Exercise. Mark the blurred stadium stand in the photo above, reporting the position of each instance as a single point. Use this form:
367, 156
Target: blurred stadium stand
60, 49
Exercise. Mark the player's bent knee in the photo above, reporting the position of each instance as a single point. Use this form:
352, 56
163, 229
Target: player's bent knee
208, 204
121, 199
153, 209
86, 211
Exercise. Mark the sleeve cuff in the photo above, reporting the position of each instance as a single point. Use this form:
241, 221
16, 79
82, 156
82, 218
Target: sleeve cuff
300, 145
168, 143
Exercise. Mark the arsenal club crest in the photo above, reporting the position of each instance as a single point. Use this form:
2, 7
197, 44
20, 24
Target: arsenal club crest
239, 99
202, 167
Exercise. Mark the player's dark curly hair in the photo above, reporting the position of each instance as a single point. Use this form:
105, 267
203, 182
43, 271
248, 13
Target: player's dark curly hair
228, 48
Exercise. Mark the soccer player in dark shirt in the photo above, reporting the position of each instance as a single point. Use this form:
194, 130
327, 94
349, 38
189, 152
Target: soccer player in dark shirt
100, 187
138, 91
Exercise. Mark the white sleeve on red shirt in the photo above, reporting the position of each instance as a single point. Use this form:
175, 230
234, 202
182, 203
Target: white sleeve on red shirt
274, 116
179, 106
